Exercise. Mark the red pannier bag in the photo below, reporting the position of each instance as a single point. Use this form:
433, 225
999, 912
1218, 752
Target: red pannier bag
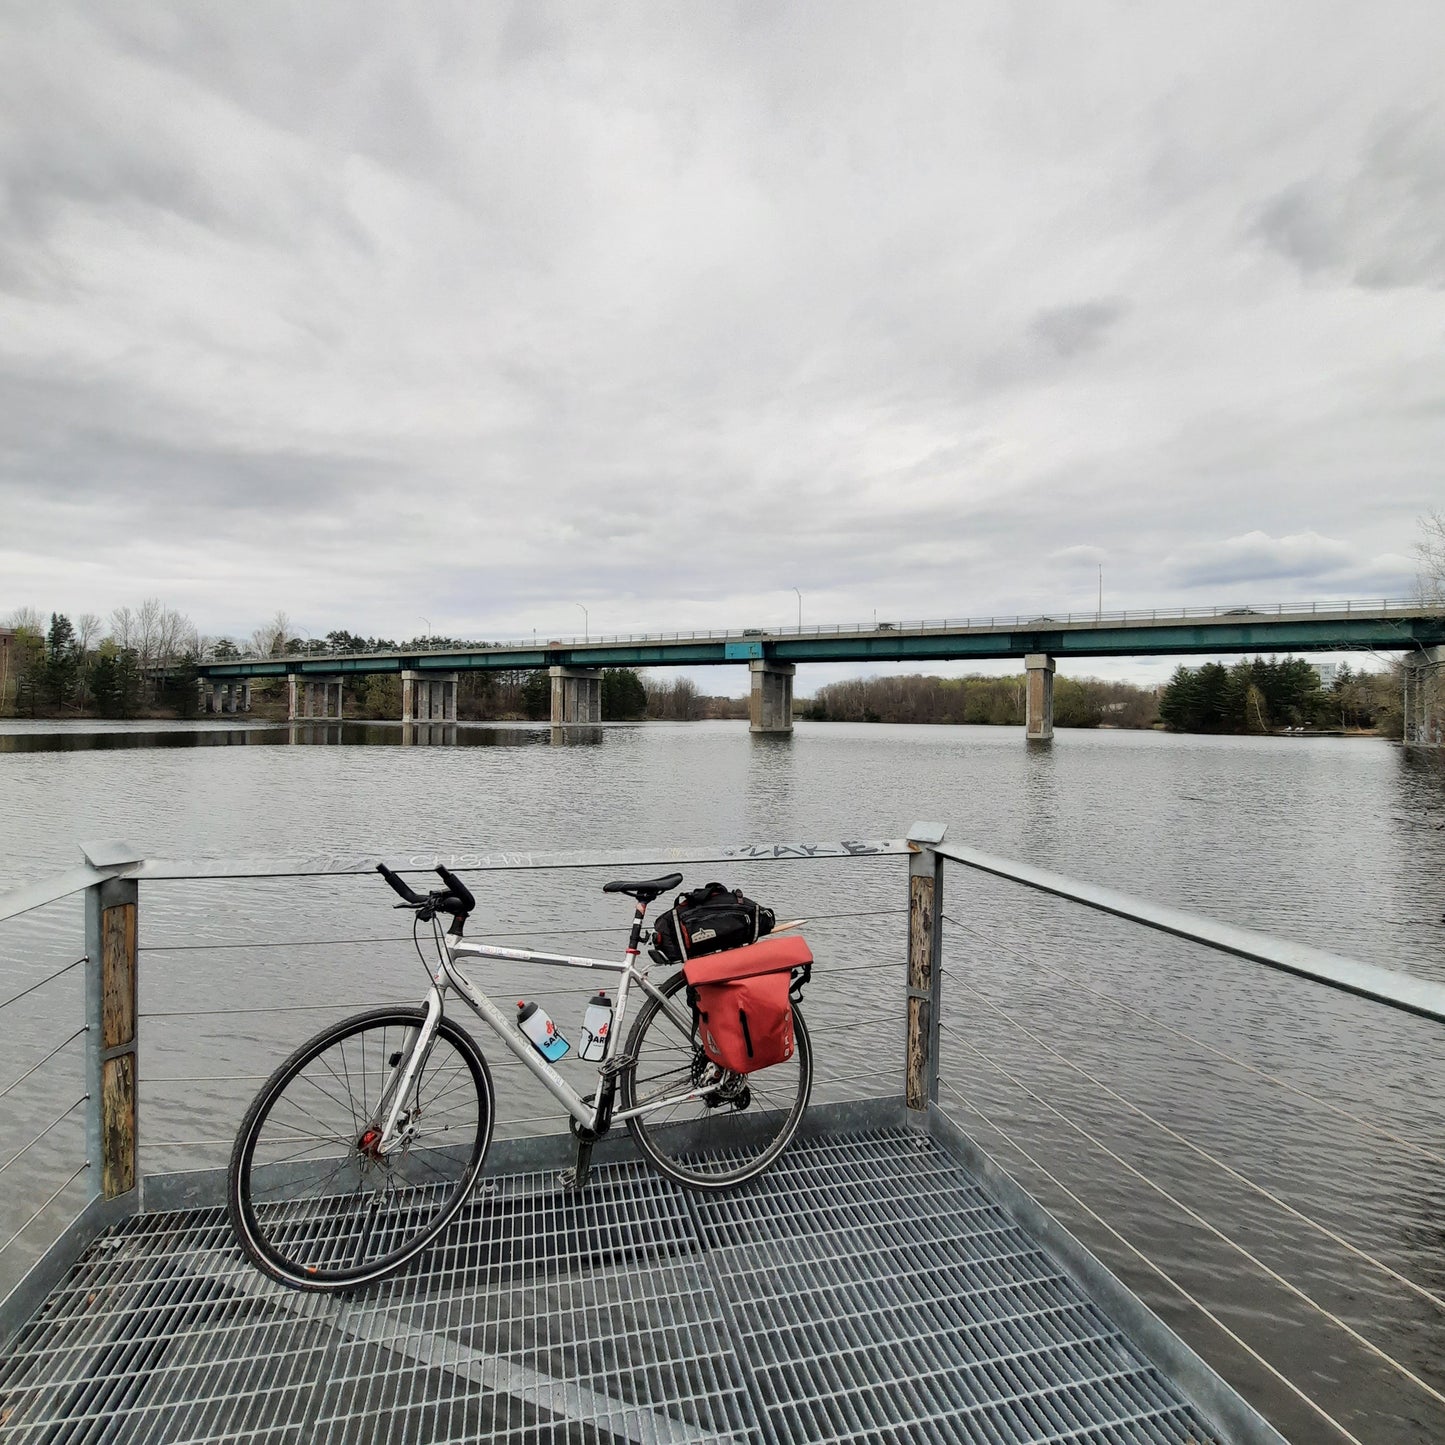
742, 1003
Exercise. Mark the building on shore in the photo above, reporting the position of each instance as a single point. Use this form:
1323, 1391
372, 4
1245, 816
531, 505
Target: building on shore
8, 668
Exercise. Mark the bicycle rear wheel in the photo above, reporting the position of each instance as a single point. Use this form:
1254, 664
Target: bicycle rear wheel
312, 1201
728, 1137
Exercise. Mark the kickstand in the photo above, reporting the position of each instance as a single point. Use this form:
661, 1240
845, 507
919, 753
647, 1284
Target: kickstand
577, 1177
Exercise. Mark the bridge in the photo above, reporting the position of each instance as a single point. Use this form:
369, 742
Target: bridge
429, 677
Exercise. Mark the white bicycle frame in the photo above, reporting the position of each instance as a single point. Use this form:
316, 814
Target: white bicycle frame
449, 975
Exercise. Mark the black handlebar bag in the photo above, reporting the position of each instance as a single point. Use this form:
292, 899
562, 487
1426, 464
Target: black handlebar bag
708, 920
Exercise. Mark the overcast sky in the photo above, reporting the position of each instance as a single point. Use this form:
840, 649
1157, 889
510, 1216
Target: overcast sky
476, 313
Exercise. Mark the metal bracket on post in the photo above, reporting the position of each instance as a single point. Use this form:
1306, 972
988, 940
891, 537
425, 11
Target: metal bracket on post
110, 1020
925, 970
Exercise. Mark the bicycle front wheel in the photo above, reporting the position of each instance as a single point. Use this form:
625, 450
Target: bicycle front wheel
732, 1133
313, 1200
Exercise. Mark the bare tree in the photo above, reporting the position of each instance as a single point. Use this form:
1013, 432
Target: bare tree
674, 698
270, 638
123, 628
87, 630
26, 619
1430, 550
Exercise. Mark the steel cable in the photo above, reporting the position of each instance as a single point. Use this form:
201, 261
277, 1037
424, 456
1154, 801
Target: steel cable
1158, 1269
531, 930
1204, 1154
15, 1083
59, 973
1213, 1229
54, 1123
1224, 1054
46, 1205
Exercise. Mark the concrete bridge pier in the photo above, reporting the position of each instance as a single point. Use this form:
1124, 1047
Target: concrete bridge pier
428, 697
770, 708
1425, 698
313, 697
1039, 715
576, 695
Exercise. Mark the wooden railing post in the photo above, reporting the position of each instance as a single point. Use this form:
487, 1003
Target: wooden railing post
925, 969
110, 1043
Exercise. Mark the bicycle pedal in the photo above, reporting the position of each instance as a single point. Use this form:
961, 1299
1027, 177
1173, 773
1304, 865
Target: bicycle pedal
567, 1179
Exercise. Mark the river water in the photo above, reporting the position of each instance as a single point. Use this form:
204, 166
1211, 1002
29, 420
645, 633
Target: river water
1115, 1071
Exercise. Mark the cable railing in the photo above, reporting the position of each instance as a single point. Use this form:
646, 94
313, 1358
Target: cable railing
1233, 613
214, 1018
1136, 1091
48, 1109
1255, 1217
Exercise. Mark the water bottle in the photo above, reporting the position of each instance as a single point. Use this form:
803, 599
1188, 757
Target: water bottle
541, 1030
596, 1025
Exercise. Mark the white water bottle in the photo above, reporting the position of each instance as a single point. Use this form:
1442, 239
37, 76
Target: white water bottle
534, 1022
596, 1025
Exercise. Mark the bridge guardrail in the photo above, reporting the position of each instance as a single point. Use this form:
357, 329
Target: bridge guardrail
1235, 613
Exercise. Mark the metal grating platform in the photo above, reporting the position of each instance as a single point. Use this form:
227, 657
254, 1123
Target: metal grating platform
865, 1289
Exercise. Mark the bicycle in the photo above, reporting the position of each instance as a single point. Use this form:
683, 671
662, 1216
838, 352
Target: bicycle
366, 1143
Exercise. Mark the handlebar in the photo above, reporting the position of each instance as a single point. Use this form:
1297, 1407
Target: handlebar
457, 888
457, 901
415, 899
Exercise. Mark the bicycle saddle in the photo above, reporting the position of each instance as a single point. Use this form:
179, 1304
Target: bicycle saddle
645, 890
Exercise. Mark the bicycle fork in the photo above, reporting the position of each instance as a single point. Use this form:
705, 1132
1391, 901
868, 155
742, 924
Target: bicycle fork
382, 1133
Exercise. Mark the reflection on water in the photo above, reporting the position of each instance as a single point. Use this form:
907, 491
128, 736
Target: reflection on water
575, 735
312, 733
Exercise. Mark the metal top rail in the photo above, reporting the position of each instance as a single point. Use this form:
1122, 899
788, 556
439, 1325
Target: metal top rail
104, 860
1134, 617
1398, 990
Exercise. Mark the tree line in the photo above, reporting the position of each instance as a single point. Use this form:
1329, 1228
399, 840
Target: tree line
145, 660
1001, 701
1261, 695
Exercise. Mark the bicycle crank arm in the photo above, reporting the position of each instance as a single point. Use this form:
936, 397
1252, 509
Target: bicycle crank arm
577, 1177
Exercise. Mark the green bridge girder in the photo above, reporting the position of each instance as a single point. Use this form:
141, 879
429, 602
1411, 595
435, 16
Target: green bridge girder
1360, 632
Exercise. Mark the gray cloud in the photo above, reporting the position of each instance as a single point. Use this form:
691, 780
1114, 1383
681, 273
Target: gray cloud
1071, 331
1382, 224
1257, 557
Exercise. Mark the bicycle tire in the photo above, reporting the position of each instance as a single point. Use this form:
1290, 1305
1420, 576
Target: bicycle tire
719, 1145
330, 1215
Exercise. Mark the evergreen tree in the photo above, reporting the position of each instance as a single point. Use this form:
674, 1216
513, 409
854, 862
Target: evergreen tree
537, 694
62, 660
178, 687
623, 695
116, 682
